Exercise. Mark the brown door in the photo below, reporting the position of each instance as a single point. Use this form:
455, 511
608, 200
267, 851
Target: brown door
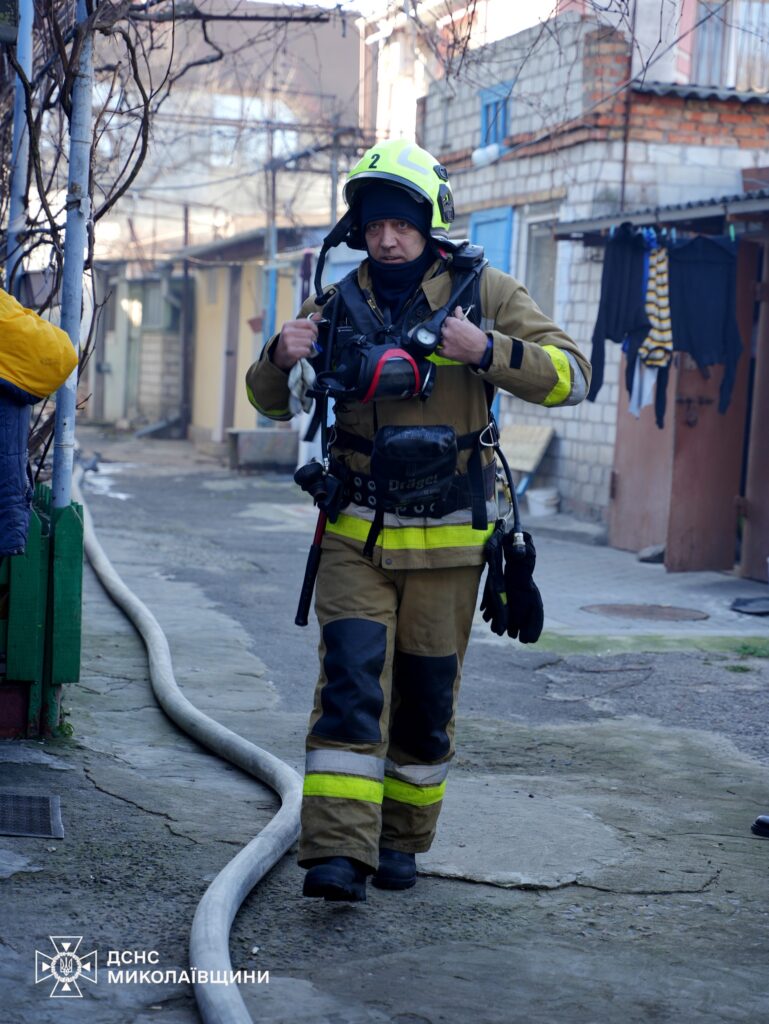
755, 540
708, 452
641, 477
707, 455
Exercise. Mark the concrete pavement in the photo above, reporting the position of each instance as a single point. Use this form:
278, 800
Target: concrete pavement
602, 792
595, 590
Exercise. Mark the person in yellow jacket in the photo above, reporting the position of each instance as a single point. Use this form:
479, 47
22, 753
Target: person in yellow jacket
398, 577
36, 357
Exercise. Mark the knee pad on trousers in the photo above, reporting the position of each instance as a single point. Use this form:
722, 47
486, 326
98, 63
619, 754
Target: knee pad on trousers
352, 698
426, 689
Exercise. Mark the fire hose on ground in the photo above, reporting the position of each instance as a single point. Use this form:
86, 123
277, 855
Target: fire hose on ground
209, 937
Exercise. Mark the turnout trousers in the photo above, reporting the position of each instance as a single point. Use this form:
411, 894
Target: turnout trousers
381, 733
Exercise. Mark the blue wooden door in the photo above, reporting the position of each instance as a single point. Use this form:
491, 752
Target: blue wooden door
493, 229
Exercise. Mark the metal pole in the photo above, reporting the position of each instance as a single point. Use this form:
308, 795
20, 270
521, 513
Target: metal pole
78, 216
334, 176
186, 332
272, 247
19, 152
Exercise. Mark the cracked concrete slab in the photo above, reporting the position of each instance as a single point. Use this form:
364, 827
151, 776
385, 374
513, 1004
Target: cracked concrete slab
541, 841
647, 826
185, 802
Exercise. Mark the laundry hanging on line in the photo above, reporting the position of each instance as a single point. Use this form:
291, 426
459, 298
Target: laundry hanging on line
660, 295
703, 302
647, 377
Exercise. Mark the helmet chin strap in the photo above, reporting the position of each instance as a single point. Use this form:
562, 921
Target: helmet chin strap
335, 236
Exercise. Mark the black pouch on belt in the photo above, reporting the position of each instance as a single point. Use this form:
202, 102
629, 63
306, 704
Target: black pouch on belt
413, 465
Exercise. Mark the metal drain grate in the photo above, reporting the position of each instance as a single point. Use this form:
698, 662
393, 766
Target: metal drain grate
22, 814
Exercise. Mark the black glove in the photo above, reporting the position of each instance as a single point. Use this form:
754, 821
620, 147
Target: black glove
525, 614
494, 601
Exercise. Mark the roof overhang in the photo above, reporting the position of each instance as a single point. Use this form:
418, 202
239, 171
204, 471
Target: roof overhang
250, 245
706, 216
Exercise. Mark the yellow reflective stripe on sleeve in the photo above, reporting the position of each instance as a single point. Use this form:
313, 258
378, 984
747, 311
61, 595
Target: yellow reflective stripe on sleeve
406, 793
443, 361
412, 538
273, 414
562, 388
345, 787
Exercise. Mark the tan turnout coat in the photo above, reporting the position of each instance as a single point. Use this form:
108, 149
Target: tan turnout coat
533, 359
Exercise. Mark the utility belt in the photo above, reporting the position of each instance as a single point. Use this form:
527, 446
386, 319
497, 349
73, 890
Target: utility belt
360, 489
413, 474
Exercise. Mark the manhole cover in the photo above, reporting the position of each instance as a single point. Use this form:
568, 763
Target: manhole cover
22, 814
653, 612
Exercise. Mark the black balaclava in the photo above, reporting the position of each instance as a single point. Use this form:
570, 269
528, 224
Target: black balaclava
394, 284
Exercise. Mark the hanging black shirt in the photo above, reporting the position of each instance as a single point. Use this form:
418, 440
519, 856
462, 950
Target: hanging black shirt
703, 282
621, 311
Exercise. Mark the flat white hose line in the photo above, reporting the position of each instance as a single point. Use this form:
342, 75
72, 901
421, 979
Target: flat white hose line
209, 937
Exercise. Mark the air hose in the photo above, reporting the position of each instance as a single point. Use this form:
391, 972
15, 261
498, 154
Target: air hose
209, 937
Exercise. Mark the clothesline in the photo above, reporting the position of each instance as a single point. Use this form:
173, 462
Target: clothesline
660, 233
599, 238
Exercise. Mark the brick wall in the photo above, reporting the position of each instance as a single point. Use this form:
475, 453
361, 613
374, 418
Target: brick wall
548, 77
690, 121
605, 60
580, 457
679, 149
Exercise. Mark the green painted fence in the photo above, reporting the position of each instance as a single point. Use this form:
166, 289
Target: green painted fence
41, 619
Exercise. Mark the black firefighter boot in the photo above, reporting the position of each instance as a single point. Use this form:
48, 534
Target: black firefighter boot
336, 878
397, 870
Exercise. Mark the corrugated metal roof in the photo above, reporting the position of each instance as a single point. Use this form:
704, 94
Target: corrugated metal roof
701, 92
250, 244
698, 209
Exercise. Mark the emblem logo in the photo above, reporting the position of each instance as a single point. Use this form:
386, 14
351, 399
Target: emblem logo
66, 967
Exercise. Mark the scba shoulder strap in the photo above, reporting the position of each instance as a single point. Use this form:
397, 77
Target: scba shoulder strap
465, 267
369, 360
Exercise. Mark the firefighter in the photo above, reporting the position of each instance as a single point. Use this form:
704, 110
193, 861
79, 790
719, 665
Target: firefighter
398, 582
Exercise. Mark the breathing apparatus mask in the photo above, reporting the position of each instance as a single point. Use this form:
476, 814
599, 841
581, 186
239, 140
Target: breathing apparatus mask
366, 371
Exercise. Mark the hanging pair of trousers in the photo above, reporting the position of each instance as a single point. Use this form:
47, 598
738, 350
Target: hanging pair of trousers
381, 733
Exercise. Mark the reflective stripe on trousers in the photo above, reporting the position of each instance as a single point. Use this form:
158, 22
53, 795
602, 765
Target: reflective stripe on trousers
382, 729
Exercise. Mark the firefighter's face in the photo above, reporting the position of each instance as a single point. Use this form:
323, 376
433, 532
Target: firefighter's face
394, 241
